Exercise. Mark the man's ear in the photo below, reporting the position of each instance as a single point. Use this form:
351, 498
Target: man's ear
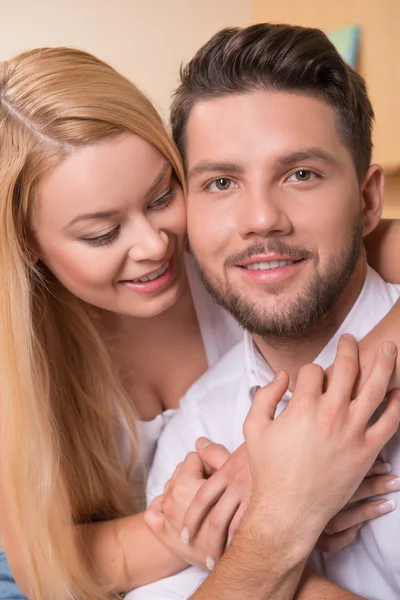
372, 192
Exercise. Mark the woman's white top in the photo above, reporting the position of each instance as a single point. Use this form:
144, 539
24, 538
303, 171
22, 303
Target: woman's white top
219, 332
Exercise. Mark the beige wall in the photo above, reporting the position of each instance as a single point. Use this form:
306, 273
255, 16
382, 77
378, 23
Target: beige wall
145, 39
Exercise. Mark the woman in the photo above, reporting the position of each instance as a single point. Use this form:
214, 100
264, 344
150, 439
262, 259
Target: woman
103, 321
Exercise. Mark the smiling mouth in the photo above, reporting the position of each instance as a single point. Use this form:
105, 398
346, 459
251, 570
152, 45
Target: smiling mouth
152, 276
267, 266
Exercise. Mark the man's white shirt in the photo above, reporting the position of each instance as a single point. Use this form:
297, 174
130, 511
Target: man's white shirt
216, 407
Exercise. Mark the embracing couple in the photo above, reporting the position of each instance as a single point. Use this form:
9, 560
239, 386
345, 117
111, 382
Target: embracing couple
107, 320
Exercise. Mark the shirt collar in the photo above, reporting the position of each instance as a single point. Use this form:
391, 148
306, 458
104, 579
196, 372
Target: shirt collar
373, 303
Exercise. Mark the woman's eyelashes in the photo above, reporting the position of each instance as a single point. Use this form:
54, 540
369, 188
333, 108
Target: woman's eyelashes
104, 239
107, 238
163, 201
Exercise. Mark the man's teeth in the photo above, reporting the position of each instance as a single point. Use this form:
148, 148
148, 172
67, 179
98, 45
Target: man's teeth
265, 266
152, 276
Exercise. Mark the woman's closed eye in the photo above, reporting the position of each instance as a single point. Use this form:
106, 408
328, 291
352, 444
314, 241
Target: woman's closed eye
222, 184
103, 239
163, 201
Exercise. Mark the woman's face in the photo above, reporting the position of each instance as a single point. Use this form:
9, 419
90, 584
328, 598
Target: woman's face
110, 224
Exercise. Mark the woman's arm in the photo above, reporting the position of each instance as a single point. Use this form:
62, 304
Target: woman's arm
383, 250
125, 554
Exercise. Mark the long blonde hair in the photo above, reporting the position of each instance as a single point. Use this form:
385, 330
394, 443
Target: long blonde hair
61, 403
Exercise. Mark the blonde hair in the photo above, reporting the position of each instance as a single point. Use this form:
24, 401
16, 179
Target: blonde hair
61, 403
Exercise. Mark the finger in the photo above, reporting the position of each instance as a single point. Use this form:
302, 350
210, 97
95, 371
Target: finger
379, 468
310, 381
375, 486
192, 466
234, 526
345, 369
387, 424
213, 455
203, 501
375, 387
365, 511
333, 543
264, 405
220, 518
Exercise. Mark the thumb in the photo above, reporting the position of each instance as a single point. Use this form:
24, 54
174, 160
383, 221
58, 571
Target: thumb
213, 455
264, 405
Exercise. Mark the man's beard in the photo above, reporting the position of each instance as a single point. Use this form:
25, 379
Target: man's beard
306, 310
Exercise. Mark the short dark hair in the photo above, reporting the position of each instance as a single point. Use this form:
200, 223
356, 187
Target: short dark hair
278, 58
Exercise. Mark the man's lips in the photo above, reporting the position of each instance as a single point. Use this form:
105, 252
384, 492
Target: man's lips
268, 258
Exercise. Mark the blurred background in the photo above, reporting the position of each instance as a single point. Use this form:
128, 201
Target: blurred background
147, 40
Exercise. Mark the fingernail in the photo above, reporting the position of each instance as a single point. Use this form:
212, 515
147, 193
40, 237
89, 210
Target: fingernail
185, 535
389, 349
382, 469
393, 485
278, 376
386, 507
348, 336
203, 442
210, 563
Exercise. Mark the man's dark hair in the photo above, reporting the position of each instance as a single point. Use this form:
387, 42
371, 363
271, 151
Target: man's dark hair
277, 58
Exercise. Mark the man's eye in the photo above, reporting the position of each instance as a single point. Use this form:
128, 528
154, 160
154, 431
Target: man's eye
302, 175
221, 185
102, 240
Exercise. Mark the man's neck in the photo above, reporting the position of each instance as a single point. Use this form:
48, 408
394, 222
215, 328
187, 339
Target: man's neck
291, 354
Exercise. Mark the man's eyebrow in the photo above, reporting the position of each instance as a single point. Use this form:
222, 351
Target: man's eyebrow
105, 214
306, 154
213, 167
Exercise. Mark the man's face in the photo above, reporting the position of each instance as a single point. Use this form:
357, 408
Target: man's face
274, 208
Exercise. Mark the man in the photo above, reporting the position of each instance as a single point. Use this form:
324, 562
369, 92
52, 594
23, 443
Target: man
276, 135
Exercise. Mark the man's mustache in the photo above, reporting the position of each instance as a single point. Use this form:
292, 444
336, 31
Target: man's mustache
272, 246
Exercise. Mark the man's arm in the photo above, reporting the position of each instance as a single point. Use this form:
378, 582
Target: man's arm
314, 587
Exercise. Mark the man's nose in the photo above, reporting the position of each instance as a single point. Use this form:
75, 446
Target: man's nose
262, 213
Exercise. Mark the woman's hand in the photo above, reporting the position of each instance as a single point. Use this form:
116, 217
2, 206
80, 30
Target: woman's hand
165, 514
297, 460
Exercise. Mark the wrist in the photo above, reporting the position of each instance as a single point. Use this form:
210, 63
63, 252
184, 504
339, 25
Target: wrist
290, 543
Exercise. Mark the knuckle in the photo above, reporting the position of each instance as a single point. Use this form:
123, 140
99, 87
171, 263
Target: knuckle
310, 370
250, 426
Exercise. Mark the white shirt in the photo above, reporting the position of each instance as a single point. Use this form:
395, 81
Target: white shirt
216, 407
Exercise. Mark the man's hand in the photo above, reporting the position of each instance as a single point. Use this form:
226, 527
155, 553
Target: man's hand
308, 462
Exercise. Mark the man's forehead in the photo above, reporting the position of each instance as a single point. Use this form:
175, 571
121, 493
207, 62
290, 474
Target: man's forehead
274, 125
